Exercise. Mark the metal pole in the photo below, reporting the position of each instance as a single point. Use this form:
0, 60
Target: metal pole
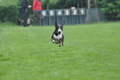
78, 14
55, 16
48, 12
81, 3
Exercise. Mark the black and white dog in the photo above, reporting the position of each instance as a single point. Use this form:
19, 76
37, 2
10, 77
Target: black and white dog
29, 21
57, 36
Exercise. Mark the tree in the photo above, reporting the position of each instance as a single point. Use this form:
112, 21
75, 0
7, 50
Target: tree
87, 11
89, 5
111, 8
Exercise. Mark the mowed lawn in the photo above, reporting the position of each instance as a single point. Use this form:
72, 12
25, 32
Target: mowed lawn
91, 52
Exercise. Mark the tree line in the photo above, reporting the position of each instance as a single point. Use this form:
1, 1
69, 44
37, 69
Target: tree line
110, 8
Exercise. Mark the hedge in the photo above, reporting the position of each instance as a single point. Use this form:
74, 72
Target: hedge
9, 11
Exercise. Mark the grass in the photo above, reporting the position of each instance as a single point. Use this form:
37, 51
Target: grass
91, 52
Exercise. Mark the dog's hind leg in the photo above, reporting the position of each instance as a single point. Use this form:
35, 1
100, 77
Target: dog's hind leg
61, 43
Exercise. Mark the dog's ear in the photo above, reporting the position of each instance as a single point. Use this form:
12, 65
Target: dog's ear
62, 26
56, 24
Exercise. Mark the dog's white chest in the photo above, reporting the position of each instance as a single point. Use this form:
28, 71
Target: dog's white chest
58, 36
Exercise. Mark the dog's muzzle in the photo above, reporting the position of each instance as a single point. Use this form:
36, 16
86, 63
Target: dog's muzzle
59, 32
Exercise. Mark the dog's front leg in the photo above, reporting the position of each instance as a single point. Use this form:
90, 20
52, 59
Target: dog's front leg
52, 40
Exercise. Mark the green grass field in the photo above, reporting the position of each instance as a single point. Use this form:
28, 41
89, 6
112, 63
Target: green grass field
91, 52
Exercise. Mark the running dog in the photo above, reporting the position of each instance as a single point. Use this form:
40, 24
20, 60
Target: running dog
57, 36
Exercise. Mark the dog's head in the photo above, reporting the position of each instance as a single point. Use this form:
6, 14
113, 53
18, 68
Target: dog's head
58, 29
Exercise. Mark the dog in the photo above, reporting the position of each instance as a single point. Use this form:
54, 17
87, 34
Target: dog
57, 36
29, 21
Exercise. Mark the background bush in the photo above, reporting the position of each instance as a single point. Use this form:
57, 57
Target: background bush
8, 11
